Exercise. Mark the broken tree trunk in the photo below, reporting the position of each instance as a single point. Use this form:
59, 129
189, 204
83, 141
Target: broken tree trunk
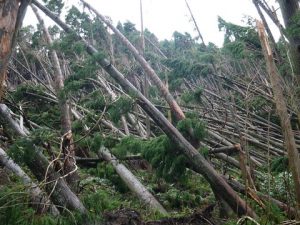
11, 16
281, 108
198, 162
132, 182
38, 199
65, 112
56, 187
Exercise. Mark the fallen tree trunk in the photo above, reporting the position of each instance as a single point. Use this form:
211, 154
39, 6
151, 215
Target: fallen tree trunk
131, 181
56, 187
146, 66
38, 199
195, 158
242, 189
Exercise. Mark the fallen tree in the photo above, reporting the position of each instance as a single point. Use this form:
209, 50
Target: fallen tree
38, 199
55, 185
130, 180
195, 158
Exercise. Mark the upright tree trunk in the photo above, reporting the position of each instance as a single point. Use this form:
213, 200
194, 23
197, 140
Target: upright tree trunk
195, 158
146, 84
289, 9
288, 135
65, 113
11, 17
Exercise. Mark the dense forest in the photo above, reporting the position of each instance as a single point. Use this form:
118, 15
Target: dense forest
104, 124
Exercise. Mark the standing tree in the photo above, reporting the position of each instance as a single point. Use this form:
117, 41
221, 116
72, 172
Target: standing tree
11, 17
290, 10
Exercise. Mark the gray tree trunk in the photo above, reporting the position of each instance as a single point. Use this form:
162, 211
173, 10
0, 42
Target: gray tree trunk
38, 199
131, 181
55, 185
289, 9
195, 158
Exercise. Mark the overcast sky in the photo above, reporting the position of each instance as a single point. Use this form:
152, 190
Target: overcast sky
163, 17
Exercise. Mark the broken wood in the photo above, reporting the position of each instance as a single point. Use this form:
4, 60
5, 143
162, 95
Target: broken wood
195, 158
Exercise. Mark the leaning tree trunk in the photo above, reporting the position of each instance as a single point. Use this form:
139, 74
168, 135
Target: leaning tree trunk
65, 113
288, 135
289, 10
132, 183
198, 162
147, 68
11, 16
56, 187
38, 199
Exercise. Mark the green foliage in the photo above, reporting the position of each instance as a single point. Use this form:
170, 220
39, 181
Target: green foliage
106, 171
160, 152
240, 42
281, 186
193, 96
128, 145
77, 83
273, 215
185, 68
175, 198
280, 164
101, 201
94, 100
55, 6
15, 209
36, 106
294, 28
122, 106
235, 49
196, 126
204, 151
182, 41
67, 44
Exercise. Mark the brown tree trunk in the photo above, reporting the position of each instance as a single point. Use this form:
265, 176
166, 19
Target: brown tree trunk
8, 21
195, 158
65, 113
289, 139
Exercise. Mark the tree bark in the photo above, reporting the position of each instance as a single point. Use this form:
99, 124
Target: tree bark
65, 113
288, 135
195, 158
11, 16
132, 182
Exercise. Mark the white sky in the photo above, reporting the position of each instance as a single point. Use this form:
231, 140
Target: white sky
163, 17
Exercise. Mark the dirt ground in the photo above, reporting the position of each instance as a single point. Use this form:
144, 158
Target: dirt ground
131, 217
